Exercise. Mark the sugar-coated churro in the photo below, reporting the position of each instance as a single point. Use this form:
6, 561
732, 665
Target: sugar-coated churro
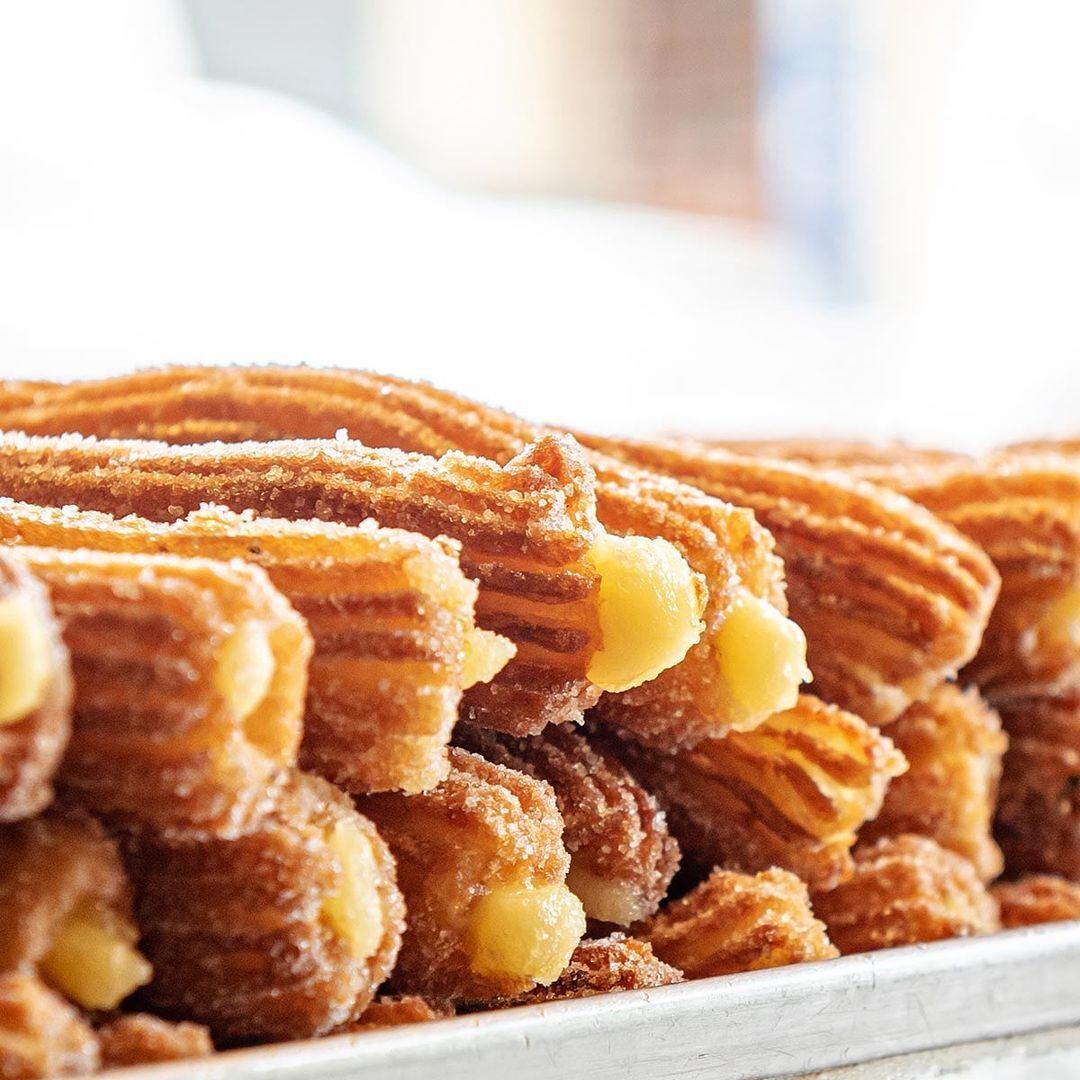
1039, 898
142, 1039
41, 1034
394, 1010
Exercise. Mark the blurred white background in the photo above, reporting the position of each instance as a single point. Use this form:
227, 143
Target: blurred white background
721, 215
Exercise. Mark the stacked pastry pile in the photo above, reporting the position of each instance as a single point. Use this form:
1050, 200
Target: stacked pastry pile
330, 701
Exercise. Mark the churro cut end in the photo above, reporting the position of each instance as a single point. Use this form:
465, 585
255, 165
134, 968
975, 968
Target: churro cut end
605, 899
25, 657
245, 668
486, 654
92, 960
526, 932
1060, 623
650, 608
762, 657
354, 909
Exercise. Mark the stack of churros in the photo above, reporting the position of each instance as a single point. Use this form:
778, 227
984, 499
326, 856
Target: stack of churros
331, 702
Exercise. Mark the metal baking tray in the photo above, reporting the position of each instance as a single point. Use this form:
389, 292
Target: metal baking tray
767, 1023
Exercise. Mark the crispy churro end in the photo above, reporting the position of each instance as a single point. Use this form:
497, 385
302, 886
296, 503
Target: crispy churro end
486, 654
650, 609
93, 959
245, 667
355, 909
26, 657
762, 656
526, 932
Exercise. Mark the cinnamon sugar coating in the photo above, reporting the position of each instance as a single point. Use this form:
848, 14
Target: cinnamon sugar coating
142, 1039
390, 1010
1039, 898
41, 1035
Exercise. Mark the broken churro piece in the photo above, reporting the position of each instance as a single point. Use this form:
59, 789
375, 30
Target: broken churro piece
791, 793
142, 1039
691, 700
285, 932
35, 693
954, 744
622, 858
550, 580
41, 1035
906, 890
482, 866
391, 614
736, 922
389, 1010
1040, 898
67, 909
189, 686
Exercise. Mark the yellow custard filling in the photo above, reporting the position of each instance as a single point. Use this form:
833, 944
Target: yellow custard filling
1060, 623
354, 910
245, 668
606, 899
486, 654
25, 658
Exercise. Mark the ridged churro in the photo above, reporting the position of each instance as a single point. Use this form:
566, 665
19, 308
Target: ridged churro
622, 857
189, 686
482, 865
391, 614
41, 1034
743, 669
568, 594
737, 922
67, 910
285, 932
35, 693
832, 453
142, 1039
953, 743
1040, 898
792, 793
906, 890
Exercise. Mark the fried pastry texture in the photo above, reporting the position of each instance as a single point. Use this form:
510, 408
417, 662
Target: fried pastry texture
67, 909
906, 890
1039, 898
189, 686
394, 1010
35, 693
285, 932
391, 614
622, 858
835, 453
742, 669
892, 600
1038, 813
954, 744
41, 1035
738, 922
142, 1039
792, 793
572, 597
482, 865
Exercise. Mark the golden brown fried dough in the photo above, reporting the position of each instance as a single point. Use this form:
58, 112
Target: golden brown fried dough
551, 579
1040, 898
834, 453
482, 865
142, 1039
954, 744
395, 1010
391, 613
41, 1035
791, 793
906, 890
736, 675
622, 858
737, 922
283, 933
35, 693
67, 909
189, 686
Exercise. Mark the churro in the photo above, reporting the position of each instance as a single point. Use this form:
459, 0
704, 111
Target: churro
483, 868
1040, 898
394, 1010
41, 1034
737, 922
285, 932
571, 597
142, 1039
792, 793
391, 614
622, 858
35, 693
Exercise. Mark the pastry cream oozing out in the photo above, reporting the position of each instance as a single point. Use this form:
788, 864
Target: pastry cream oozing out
1060, 623
650, 609
245, 667
605, 899
92, 960
525, 932
486, 654
25, 657
354, 909
762, 657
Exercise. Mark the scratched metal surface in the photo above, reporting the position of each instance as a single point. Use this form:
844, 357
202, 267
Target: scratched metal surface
769, 1023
